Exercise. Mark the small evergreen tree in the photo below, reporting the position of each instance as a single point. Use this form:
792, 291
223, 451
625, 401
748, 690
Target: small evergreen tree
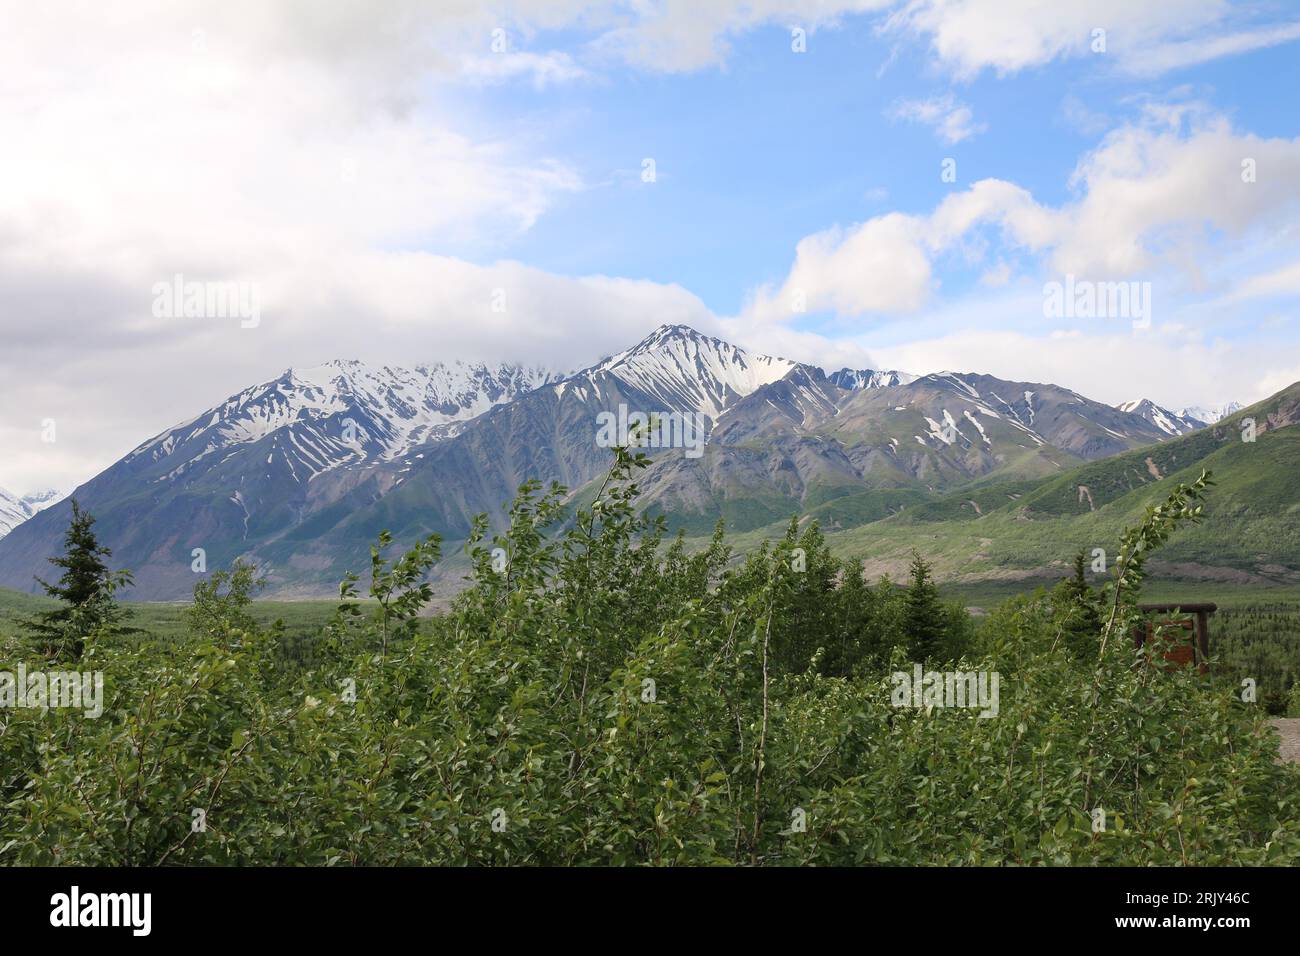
86, 588
1076, 586
1080, 616
924, 617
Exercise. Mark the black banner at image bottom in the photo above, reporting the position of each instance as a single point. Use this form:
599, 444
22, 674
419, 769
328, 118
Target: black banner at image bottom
333, 906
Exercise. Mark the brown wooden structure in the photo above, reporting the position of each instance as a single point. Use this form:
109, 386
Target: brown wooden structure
1195, 651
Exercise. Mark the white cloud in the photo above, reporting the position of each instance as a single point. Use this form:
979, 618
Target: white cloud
1157, 193
800, 346
884, 265
1170, 366
544, 69
684, 35
110, 374
1153, 199
951, 121
1084, 121
878, 266
1164, 57
1007, 36
1284, 281
996, 276
290, 146
311, 148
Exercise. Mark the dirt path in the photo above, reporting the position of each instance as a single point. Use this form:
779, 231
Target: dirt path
1289, 728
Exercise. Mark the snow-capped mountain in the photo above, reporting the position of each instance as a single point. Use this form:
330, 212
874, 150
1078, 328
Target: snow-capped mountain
344, 411
269, 459
300, 473
806, 444
1171, 423
40, 500
682, 369
870, 378
1211, 414
289, 472
14, 510
1040, 414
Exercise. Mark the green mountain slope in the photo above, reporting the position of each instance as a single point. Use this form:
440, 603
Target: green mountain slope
1251, 532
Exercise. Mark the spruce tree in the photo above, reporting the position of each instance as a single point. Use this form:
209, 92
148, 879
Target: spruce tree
1076, 587
86, 590
924, 619
1077, 604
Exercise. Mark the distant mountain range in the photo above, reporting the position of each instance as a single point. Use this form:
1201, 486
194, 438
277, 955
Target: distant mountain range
301, 473
14, 510
1213, 414
1180, 422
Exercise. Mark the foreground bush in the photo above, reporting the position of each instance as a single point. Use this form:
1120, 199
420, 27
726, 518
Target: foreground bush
595, 697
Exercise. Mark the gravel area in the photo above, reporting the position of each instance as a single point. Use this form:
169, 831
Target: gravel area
1289, 728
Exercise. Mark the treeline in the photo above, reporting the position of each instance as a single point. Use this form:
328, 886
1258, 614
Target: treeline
1262, 642
598, 695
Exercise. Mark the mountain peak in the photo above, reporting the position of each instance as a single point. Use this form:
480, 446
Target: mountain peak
1171, 423
681, 368
1136, 405
667, 334
669, 329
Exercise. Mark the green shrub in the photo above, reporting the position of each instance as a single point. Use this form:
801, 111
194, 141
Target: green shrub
597, 697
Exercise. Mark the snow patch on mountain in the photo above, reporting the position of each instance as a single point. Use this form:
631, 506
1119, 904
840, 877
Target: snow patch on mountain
948, 432
689, 371
870, 378
975, 421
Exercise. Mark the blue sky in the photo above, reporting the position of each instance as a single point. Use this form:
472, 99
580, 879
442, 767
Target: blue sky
774, 146
382, 175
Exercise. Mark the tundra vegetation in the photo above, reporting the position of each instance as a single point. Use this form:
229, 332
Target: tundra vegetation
605, 696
